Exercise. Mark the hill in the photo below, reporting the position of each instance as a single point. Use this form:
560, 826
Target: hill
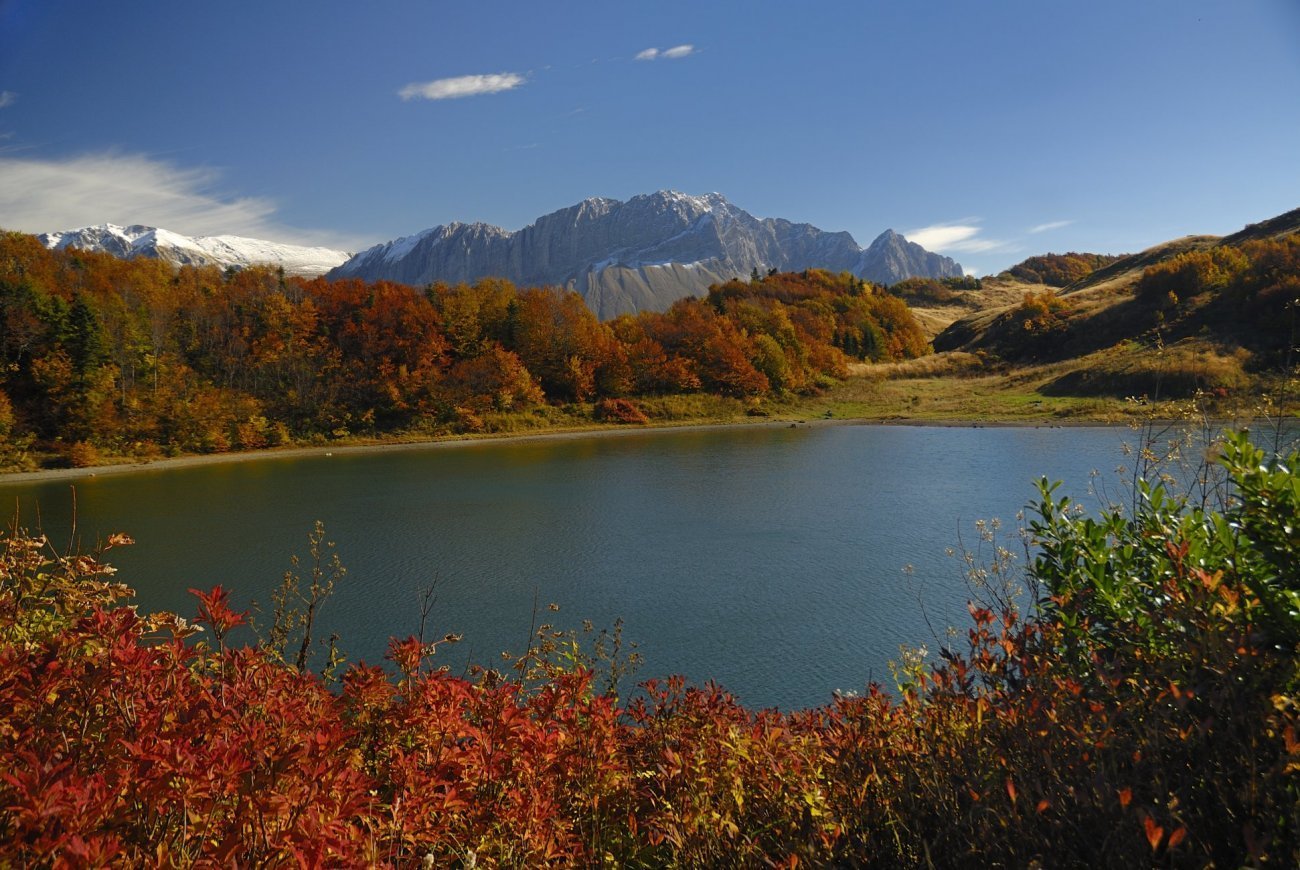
1201, 313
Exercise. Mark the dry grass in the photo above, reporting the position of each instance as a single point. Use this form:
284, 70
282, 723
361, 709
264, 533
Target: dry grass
995, 294
1128, 381
1180, 371
1009, 397
938, 365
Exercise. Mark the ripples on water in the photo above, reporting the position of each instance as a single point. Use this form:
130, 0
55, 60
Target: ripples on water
770, 560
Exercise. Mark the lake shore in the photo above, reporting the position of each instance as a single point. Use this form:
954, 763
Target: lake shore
169, 463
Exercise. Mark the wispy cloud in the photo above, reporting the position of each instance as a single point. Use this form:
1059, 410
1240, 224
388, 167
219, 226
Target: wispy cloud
462, 86
44, 195
667, 53
7, 99
1051, 225
962, 237
937, 236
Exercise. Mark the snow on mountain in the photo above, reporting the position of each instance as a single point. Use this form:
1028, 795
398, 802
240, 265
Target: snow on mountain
222, 251
642, 254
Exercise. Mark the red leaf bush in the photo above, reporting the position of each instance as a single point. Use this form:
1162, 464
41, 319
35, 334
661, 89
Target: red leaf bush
1144, 711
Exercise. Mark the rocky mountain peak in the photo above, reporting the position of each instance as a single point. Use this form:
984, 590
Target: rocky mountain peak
891, 254
639, 254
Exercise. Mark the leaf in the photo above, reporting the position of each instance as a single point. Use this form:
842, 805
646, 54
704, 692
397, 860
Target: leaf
1154, 832
1177, 837
1011, 789
1125, 795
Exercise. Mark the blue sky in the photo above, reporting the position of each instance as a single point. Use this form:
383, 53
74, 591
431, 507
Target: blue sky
986, 130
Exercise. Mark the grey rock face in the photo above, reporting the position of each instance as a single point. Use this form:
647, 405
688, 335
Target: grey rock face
891, 258
638, 255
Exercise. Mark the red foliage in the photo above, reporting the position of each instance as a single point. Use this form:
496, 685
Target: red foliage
620, 411
123, 744
215, 610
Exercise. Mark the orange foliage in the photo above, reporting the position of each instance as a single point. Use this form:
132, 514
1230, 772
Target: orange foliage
135, 356
1058, 270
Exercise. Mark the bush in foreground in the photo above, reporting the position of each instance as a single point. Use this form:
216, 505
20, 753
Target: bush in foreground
1142, 713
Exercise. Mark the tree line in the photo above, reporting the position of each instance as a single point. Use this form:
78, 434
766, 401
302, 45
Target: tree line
137, 356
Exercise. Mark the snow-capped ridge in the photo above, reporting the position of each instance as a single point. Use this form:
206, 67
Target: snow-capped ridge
138, 240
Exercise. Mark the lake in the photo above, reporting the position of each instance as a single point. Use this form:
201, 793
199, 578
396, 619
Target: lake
772, 560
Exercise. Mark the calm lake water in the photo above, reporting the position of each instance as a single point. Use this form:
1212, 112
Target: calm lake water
770, 560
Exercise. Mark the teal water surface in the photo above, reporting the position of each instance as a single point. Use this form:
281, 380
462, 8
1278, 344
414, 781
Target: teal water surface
770, 560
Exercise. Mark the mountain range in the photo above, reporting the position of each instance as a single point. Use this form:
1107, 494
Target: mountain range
622, 257
642, 254
223, 251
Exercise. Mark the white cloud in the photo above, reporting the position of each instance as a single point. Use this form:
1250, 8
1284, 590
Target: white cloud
980, 246
938, 236
1052, 225
44, 195
7, 99
959, 238
668, 53
461, 86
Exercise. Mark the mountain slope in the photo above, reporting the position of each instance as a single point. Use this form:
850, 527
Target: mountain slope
642, 254
223, 251
1202, 313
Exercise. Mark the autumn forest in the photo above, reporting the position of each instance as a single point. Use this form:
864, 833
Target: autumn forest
1125, 696
135, 358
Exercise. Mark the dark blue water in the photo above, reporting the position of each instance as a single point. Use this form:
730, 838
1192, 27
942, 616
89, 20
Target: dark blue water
770, 560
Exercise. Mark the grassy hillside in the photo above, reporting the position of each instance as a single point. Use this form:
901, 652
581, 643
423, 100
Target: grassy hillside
1199, 314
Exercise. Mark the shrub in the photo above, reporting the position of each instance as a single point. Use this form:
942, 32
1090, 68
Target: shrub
1058, 270
1140, 711
620, 411
1193, 273
83, 454
6, 415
